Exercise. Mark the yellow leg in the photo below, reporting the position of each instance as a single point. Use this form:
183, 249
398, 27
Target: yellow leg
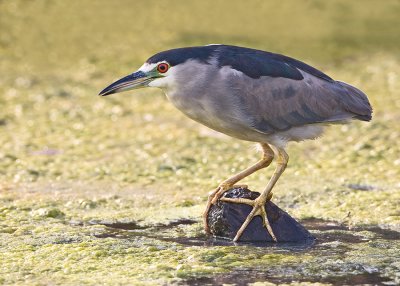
268, 155
259, 203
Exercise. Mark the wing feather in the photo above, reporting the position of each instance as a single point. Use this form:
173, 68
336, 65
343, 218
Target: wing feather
278, 104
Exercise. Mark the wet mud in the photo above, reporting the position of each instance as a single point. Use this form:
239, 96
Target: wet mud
333, 240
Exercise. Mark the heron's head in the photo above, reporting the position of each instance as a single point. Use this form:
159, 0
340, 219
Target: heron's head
163, 69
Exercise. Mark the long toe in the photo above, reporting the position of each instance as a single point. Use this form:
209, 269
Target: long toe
212, 199
205, 220
266, 223
219, 192
217, 195
258, 209
254, 212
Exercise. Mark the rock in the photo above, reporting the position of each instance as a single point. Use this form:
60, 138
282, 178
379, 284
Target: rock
225, 219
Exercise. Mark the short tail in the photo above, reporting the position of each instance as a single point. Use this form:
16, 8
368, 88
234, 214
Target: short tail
356, 102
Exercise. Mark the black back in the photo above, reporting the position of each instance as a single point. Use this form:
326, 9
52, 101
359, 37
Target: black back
251, 62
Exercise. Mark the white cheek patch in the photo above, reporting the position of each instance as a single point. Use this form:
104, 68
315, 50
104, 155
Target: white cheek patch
146, 67
166, 81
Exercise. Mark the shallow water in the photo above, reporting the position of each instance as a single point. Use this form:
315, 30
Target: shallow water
332, 241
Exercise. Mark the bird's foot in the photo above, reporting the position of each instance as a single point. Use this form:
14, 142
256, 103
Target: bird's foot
258, 209
213, 197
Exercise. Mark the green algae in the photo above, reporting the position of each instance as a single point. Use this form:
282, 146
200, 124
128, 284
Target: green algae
149, 251
73, 166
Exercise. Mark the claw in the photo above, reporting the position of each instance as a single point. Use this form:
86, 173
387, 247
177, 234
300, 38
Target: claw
258, 209
266, 223
217, 194
269, 151
213, 199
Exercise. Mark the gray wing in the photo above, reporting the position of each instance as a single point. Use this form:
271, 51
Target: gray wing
277, 104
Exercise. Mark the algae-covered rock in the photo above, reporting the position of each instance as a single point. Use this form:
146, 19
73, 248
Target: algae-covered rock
225, 220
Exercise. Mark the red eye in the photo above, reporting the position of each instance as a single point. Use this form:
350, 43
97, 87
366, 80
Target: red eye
163, 67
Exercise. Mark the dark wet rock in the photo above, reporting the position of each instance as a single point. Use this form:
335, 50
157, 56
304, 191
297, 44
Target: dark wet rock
225, 220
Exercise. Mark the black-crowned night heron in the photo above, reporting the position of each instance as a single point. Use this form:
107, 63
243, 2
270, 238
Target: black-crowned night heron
250, 95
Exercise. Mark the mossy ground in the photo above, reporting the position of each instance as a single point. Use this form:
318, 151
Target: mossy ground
71, 162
